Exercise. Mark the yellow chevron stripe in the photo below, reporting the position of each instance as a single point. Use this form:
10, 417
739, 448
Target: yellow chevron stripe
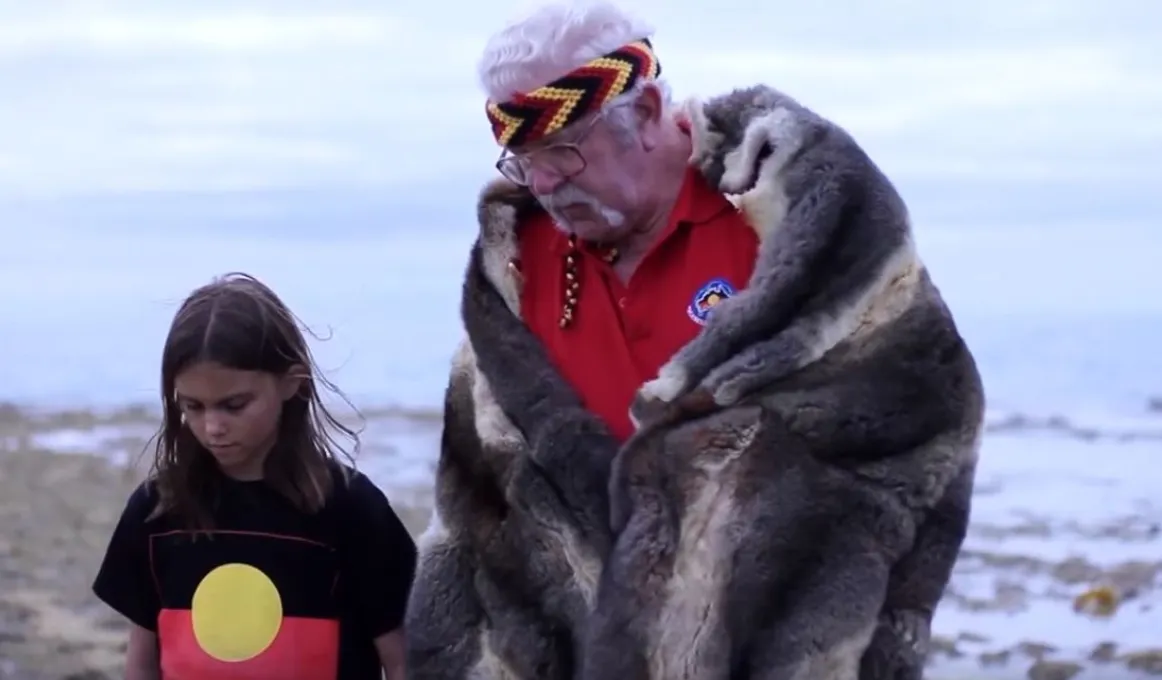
510, 123
568, 100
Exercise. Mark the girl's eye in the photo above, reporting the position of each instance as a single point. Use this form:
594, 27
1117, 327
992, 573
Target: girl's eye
235, 406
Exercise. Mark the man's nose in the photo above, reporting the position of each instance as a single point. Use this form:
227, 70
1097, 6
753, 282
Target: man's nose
544, 181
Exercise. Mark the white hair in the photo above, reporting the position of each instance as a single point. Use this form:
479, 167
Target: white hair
555, 39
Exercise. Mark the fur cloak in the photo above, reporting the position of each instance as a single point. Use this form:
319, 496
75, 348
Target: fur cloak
805, 529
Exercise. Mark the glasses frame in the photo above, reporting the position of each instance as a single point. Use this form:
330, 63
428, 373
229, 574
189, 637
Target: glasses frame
516, 167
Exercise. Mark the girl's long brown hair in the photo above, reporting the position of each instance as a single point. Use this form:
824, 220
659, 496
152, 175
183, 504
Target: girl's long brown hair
240, 323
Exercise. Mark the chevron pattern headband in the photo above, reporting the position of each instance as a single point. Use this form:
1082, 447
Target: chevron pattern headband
538, 114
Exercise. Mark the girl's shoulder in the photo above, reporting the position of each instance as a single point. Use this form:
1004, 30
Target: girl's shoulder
141, 508
364, 519
358, 502
142, 501
352, 489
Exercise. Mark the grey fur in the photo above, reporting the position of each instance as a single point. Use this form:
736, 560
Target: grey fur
868, 407
809, 519
843, 217
500, 579
852, 501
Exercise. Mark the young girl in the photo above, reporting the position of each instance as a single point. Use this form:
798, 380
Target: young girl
251, 552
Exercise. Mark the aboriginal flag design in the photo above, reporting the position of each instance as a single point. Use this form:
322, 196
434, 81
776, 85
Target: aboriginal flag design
246, 606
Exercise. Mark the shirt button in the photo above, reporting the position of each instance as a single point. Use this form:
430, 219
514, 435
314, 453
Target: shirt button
622, 302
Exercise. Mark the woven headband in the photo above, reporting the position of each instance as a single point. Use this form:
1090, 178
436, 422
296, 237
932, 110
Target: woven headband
538, 114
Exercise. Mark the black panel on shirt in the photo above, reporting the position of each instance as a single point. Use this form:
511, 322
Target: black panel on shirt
124, 581
306, 571
354, 560
379, 559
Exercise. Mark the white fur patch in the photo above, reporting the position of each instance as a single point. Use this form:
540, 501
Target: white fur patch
584, 565
885, 298
493, 426
669, 384
463, 360
839, 662
765, 207
489, 665
500, 246
779, 127
690, 623
434, 534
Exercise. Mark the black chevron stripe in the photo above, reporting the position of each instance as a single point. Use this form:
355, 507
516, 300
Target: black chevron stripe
587, 85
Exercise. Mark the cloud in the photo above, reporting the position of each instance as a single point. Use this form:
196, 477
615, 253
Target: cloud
149, 95
231, 33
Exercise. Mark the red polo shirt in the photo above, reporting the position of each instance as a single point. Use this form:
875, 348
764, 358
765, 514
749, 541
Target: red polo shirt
621, 334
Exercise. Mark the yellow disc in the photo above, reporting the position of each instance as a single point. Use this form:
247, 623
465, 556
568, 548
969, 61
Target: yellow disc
236, 612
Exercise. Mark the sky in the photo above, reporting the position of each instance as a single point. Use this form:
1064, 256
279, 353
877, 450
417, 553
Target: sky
122, 98
146, 145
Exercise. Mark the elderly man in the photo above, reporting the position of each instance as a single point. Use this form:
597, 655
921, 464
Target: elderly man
804, 527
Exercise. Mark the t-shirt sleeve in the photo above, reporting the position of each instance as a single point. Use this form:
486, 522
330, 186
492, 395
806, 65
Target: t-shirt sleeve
124, 580
380, 558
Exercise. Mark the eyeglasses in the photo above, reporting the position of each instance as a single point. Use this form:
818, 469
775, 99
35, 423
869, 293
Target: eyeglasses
564, 159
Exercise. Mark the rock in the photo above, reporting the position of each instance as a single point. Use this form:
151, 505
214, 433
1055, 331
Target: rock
946, 646
1053, 670
1104, 652
1036, 650
1076, 570
1135, 577
1147, 661
1010, 596
995, 658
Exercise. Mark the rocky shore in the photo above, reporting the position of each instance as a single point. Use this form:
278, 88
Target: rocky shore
1061, 578
57, 511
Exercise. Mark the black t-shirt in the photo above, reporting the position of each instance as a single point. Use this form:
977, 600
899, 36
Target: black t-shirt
271, 592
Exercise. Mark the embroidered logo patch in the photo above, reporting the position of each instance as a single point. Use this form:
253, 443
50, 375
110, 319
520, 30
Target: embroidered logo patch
706, 298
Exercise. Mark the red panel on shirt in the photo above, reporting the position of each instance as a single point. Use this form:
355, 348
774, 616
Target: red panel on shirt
302, 649
621, 334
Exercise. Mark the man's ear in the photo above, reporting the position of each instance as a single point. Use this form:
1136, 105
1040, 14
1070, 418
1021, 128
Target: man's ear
648, 111
649, 106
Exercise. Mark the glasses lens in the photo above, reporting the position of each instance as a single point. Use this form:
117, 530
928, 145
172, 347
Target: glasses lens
512, 168
570, 162
565, 161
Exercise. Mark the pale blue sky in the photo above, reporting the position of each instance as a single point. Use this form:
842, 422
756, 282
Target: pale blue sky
335, 148
125, 96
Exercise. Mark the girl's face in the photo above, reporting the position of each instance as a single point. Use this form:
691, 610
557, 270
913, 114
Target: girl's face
234, 414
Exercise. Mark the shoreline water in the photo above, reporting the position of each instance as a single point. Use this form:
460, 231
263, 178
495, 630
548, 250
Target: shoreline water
1061, 507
